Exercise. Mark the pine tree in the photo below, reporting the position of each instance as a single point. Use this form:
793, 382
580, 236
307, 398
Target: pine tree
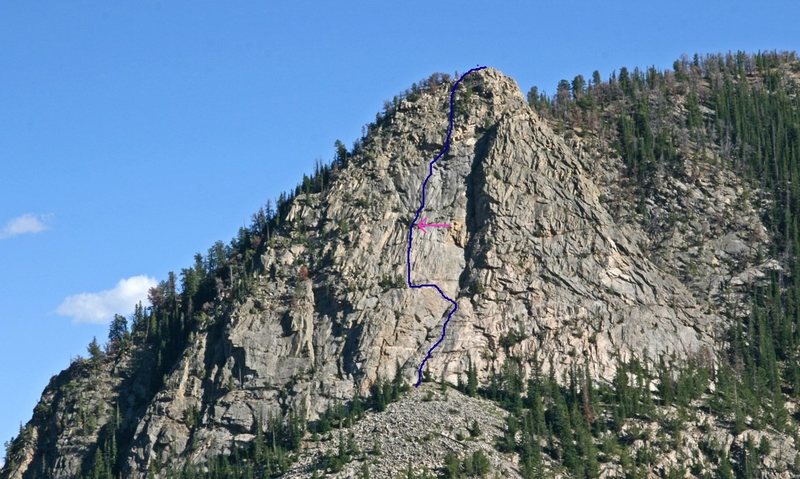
452, 466
118, 331
475, 429
509, 434
535, 402
341, 156
472, 380
95, 353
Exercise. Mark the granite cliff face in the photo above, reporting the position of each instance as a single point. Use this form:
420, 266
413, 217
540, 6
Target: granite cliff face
542, 259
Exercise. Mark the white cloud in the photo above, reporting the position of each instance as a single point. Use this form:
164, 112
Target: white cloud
25, 224
101, 306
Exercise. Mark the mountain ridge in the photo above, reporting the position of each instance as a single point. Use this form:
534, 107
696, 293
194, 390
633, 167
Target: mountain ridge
540, 262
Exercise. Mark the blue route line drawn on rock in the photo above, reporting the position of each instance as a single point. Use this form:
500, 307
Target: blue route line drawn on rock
416, 218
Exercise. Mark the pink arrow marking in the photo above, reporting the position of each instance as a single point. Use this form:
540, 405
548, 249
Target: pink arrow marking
422, 225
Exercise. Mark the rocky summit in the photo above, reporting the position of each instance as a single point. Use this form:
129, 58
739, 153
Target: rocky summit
583, 289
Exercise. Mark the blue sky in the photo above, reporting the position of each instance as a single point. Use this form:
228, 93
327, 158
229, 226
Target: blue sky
134, 134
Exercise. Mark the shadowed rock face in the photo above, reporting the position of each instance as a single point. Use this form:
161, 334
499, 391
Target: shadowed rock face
538, 266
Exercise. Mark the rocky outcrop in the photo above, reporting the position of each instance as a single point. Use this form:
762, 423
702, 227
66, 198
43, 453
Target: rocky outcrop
538, 263
67, 422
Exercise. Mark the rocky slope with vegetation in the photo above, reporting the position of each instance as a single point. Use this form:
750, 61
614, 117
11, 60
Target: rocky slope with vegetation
623, 255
